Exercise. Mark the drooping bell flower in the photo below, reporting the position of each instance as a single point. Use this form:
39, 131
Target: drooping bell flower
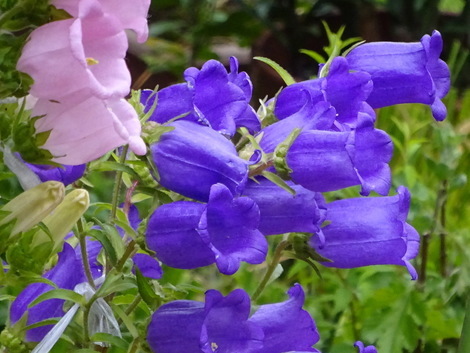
224, 231
344, 90
211, 97
191, 158
66, 274
82, 54
132, 14
66, 174
223, 324
405, 72
369, 231
282, 212
332, 160
85, 127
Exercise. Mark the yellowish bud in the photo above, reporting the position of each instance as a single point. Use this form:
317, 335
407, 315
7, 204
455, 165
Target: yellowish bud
61, 221
32, 206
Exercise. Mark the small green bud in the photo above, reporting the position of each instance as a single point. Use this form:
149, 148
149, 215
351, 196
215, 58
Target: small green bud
32, 206
63, 218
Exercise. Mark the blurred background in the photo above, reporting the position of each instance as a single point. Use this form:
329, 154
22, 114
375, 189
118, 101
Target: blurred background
186, 33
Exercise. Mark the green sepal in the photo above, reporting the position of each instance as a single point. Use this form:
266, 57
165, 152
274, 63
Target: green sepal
280, 153
276, 179
302, 249
152, 131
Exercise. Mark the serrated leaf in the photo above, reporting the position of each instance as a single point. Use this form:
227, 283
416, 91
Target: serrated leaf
64, 294
288, 79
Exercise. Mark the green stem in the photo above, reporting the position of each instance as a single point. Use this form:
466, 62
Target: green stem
272, 266
84, 253
135, 345
117, 183
131, 307
464, 343
127, 253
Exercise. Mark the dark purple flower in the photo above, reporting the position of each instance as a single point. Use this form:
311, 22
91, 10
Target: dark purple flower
189, 234
222, 324
67, 174
369, 231
405, 72
345, 91
66, 274
362, 349
210, 97
282, 212
191, 158
332, 160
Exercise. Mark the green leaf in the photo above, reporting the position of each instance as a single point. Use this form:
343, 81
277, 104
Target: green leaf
113, 166
108, 247
288, 79
145, 289
107, 338
65, 294
52, 321
126, 320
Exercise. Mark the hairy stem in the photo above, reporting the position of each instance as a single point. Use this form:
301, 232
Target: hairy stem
84, 253
117, 184
272, 266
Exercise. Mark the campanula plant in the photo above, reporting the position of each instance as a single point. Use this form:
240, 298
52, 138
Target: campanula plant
203, 179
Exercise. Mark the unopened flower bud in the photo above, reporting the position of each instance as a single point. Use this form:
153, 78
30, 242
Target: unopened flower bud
33, 205
63, 218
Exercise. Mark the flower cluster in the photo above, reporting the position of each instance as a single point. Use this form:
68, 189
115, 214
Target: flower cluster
80, 91
337, 146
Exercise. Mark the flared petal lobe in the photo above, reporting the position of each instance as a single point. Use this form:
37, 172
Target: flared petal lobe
369, 231
188, 234
132, 14
191, 158
229, 226
222, 324
286, 326
211, 97
85, 127
88, 51
332, 160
